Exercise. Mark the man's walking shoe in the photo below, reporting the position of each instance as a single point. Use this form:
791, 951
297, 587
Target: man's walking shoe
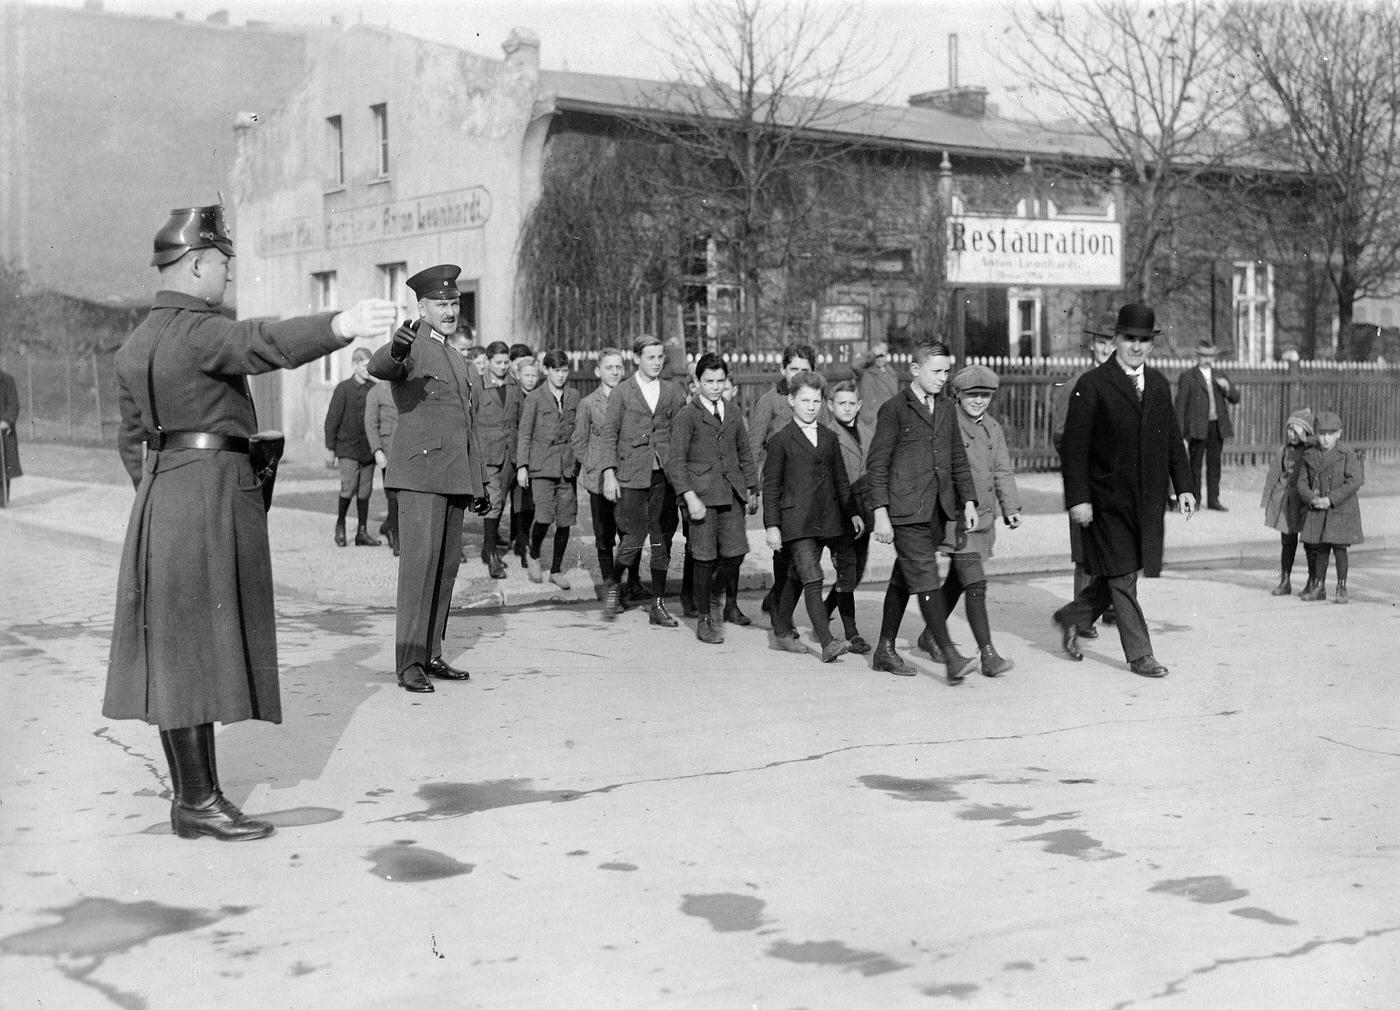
438, 668
1285, 586
533, 570
886, 660
415, 680
1317, 592
958, 665
495, 566
612, 601
659, 615
340, 534
927, 643
217, 818
1340, 596
1089, 632
364, 539
834, 648
1148, 666
786, 641
859, 646
733, 615
992, 664
1069, 636
706, 632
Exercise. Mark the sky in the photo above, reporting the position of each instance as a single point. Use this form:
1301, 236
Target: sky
626, 38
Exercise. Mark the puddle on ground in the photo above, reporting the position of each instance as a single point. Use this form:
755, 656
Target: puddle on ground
726, 913
1263, 915
958, 990
1006, 816
1018, 966
626, 867
1206, 890
1073, 842
919, 790
300, 817
458, 799
1078, 782
405, 863
837, 954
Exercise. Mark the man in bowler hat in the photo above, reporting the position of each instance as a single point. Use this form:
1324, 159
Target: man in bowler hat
434, 466
194, 640
1121, 445
1203, 398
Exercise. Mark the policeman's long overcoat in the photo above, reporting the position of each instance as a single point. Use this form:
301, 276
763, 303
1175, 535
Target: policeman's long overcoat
1117, 454
195, 639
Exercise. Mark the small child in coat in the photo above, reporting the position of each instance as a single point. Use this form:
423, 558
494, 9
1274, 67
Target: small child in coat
546, 464
1328, 482
807, 506
1283, 508
843, 404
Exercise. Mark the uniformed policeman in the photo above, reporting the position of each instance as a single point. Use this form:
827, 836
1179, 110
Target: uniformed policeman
435, 466
194, 641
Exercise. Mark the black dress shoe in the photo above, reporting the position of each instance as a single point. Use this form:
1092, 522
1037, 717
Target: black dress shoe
217, 818
340, 534
415, 680
859, 646
1148, 666
438, 668
1069, 637
363, 538
1089, 632
1217, 507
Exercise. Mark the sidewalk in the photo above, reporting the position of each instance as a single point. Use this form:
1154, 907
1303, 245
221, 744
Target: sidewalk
307, 565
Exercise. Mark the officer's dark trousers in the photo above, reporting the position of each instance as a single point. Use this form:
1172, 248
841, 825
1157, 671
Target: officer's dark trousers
430, 546
1121, 591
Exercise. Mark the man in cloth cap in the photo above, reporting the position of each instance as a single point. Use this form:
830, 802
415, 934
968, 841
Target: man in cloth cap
1203, 398
194, 640
1098, 340
1121, 445
435, 467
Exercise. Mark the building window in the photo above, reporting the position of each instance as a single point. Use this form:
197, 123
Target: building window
709, 309
323, 299
381, 137
392, 277
1253, 286
1025, 336
335, 143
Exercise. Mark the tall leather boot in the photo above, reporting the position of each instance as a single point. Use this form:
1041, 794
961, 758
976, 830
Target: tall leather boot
612, 601
199, 808
1285, 585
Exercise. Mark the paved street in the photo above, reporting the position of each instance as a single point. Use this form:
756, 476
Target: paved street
617, 816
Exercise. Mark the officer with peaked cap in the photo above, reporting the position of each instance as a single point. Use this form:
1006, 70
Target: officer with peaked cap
435, 466
194, 640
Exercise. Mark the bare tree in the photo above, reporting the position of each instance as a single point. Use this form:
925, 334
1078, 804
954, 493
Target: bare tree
1327, 100
1155, 84
761, 102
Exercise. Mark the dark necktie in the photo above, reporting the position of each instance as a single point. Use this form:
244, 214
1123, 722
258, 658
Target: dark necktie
719, 412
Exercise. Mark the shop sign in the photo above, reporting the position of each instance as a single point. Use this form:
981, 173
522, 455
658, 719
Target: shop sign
459, 210
842, 324
1028, 252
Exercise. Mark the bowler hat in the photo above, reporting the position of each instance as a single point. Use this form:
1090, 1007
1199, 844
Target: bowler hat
437, 283
1206, 349
1102, 328
1328, 421
1137, 321
975, 378
190, 228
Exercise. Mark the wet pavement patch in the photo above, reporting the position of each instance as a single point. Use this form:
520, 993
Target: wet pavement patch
1206, 890
458, 799
836, 954
726, 913
408, 864
919, 790
300, 817
1073, 842
958, 990
1018, 966
1006, 817
1263, 915
626, 867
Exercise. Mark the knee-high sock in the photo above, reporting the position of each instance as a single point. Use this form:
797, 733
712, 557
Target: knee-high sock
688, 576
977, 614
561, 544
1310, 553
1287, 552
846, 604
1339, 551
342, 507
537, 533
935, 618
362, 512
816, 611
490, 530
658, 582
952, 589
1322, 551
892, 612
702, 586
731, 567
785, 606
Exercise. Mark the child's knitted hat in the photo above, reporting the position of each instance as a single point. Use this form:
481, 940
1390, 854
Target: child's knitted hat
1302, 418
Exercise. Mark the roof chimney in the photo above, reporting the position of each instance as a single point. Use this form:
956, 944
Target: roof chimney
970, 102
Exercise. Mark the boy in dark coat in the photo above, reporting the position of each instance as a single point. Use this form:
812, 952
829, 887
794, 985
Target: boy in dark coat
1328, 482
349, 447
194, 640
546, 464
713, 472
499, 402
1121, 446
808, 505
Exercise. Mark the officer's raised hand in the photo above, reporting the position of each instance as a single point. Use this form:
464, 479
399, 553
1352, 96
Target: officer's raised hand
403, 340
366, 320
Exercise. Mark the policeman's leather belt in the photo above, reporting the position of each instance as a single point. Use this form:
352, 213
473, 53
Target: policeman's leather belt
198, 440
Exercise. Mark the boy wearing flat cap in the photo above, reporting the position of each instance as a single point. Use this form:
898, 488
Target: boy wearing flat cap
1328, 482
194, 640
435, 466
1203, 398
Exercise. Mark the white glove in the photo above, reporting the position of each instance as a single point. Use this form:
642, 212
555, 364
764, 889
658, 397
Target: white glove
370, 318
